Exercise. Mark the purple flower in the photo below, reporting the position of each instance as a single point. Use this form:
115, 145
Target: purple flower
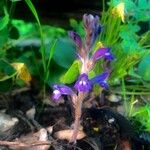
61, 90
101, 80
76, 38
103, 53
83, 83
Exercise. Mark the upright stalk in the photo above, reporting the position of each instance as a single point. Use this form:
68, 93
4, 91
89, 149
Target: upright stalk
84, 85
124, 96
78, 111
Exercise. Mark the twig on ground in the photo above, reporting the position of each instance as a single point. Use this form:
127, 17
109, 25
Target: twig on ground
24, 145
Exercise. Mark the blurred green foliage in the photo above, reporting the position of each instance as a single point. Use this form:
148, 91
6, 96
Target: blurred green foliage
20, 41
143, 116
144, 68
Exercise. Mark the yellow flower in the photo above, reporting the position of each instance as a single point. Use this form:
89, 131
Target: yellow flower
119, 11
22, 71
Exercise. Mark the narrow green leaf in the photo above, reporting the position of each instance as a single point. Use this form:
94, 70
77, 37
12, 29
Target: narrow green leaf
32, 8
5, 20
52, 49
6, 70
34, 12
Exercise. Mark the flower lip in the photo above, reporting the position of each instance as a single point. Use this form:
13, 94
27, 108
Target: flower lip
83, 83
101, 80
61, 90
103, 53
56, 94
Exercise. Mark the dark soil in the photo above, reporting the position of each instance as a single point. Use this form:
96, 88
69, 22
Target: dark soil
104, 127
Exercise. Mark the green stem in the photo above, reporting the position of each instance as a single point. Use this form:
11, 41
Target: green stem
124, 95
43, 51
52, 49
130, 93
103, 5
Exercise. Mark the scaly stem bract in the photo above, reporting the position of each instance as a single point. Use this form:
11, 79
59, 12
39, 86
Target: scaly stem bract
78, 111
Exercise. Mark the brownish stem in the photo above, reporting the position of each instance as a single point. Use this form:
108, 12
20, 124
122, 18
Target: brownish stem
78, 112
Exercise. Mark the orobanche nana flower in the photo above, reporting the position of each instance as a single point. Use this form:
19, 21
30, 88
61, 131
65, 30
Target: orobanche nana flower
101, 80
119, 10
93, 29
83, 83
61, 90
102, 53
83, 86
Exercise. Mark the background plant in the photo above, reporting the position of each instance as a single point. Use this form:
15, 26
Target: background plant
21, 42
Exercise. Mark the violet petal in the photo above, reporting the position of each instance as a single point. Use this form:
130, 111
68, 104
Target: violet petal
61, 90
83, 83
76, 38
104, 85
56, 95
102, 53
109, 56
101, 80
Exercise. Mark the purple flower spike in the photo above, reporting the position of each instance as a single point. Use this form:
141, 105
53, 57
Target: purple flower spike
93, 28
88, 20
83, 83
103, 52
101, 80
61, 90
76, 38
97, 28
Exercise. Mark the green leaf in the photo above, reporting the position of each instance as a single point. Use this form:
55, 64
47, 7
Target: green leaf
71, 75
132, 73
144, 68
143, 116
73, 23
56, 72
4, 21
142, 3
15, 0
6, 70
3, 42
52, 49
64, 54
33, 10
91, 74
97, 89
6, 85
